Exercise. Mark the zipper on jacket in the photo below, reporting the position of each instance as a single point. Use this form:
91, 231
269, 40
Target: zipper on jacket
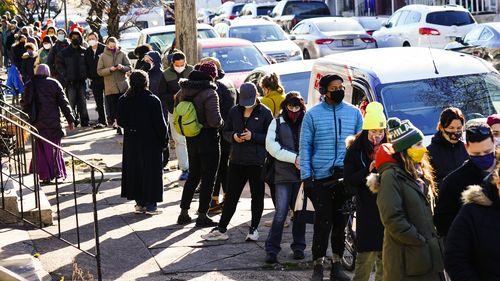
340, 127
336, 135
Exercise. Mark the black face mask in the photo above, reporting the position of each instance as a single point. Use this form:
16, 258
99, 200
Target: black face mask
75, 42
146, 67
455, 136
337, 96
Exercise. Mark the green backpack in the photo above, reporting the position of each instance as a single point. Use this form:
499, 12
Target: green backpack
185, 119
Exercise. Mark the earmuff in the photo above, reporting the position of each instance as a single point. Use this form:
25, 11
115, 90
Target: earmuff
322, 90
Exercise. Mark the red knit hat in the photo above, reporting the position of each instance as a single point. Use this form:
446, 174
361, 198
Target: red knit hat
209, 68
493, 119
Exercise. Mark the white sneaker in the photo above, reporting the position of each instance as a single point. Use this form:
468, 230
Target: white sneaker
253, 235
215, 235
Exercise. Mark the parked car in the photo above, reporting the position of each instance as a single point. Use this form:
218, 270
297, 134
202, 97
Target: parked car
128, 41
256, 10
124, 30
425, 26
265, 34
161, 37
227, 11
205, 16
371, 24
238, 57
319, 37
482, 41
294, 75
287, 13
414, 83
145, 17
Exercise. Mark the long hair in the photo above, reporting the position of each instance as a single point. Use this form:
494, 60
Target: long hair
411, 168
361, 141
272, 82
139, 81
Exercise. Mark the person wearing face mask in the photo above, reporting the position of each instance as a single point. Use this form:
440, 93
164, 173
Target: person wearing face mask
274, 93
52, 59
140, 52
18, 51
51, 32
447, 151
113, 66
43, 53
282, 143
494, 122
359, 162
480, 145
92, 54
168, 87
405, 190
325, 129
246, 129
28, 63
71, 66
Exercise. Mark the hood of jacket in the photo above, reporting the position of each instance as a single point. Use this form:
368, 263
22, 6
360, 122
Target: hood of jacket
487, 196
155, 56
439, 139
383, 160
193, 87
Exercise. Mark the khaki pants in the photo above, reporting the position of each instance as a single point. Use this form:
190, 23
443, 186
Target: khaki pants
364, 266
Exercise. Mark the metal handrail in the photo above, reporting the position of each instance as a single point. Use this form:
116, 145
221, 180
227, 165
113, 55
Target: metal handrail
20, 166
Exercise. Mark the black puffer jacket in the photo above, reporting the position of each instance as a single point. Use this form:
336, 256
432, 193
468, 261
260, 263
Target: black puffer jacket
448, 202
52, 59
472, 247
155, 74
227, 94
251, 152
445, 156
71, 64
91, 60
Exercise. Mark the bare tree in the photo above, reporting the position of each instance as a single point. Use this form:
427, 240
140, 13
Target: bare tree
27, 9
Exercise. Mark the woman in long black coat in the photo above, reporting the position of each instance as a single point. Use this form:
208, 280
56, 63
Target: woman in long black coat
140, 114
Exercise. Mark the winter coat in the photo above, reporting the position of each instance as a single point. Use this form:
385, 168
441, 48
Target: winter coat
323, 134
169, 86
472, 248
205, 100
155, 74
91, 60
369, 228
145, 133
114, 82
28, 66
273, 101
448, 202
17, 55
411, 249
445, 156
50, 101
284, 149
14, 79
53, 59
253, 152
43, 55
71, 64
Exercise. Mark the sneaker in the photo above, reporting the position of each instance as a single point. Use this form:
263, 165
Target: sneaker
139, 209
204, 221
154, 212
271, 258
99, 126
298, 255
215, 235
253, 235
184, 219
317, 272
184, 175
215, 208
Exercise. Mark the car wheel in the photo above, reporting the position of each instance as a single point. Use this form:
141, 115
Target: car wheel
406, 44
306, 54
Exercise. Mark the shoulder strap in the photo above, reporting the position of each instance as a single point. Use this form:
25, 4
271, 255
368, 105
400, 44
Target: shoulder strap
278, 124
274, 105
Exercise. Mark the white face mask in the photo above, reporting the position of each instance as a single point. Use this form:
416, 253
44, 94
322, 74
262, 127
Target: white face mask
179, 69
250, 106
92, 43
497, 141
47, 46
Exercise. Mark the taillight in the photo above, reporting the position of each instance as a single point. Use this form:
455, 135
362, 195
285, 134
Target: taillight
370, 32
323, 41
232, 17
368, 40
428, 31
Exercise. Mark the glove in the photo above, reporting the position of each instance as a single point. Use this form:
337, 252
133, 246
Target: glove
308, 187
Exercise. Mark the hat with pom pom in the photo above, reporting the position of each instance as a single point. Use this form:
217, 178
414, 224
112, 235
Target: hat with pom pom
403, 134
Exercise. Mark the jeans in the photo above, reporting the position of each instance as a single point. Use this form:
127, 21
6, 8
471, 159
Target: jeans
327, 201
112, 101
150, 206
204, 154
76, 96
238, 175
364, 266
98, 93
286, 194
180, 145
225, 150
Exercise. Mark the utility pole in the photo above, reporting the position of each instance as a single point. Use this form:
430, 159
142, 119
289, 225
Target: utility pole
185, 29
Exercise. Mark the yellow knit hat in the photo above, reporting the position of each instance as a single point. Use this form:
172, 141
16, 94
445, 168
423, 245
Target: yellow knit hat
374, 117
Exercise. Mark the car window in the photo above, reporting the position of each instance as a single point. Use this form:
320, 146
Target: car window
370, 24
298, 29
278, 8
449, 18
237, 9
394, 19
402, 18
413, 17
246, 11
264, 10
162, 41
350, 25
236, 59
258, 33
473, 35
306, 8
207, 33
486, 35
297, 82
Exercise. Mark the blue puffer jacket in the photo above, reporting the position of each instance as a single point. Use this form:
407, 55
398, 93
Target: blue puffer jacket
322, 141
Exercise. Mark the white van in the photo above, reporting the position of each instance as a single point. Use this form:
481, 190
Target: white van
413, 83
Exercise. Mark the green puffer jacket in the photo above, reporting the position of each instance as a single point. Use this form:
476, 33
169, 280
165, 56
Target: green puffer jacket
411, 249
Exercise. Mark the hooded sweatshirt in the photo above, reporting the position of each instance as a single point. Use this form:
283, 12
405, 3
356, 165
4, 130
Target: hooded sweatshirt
155, 74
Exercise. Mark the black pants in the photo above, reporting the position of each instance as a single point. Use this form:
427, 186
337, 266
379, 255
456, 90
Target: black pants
98, 93
225, 150
112, 101
327, 201
203, 153
238, 175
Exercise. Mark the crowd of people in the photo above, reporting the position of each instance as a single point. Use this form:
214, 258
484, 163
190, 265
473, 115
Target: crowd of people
422, 213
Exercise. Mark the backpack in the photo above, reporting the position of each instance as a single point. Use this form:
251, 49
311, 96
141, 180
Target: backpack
185, 119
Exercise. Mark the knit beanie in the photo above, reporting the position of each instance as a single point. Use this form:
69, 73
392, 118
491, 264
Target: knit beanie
403, 134
374, 117
209, 68
42, 70
493, 119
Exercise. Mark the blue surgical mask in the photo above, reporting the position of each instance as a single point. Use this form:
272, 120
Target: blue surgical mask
61, 37
484, 162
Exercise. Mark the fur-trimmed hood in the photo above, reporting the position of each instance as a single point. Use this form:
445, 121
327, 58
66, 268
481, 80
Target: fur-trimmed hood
373, 182
349, 141
475, 194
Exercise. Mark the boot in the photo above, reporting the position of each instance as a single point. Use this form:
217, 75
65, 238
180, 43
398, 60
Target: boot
337, 273
318, 270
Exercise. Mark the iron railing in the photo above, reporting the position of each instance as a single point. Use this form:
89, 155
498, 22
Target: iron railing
18, 147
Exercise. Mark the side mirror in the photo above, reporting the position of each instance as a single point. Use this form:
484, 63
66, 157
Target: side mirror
132, 56
388, 25
459, 40
292, 37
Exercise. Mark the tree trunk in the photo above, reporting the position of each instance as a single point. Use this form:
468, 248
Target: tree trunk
114, 19
185, 29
